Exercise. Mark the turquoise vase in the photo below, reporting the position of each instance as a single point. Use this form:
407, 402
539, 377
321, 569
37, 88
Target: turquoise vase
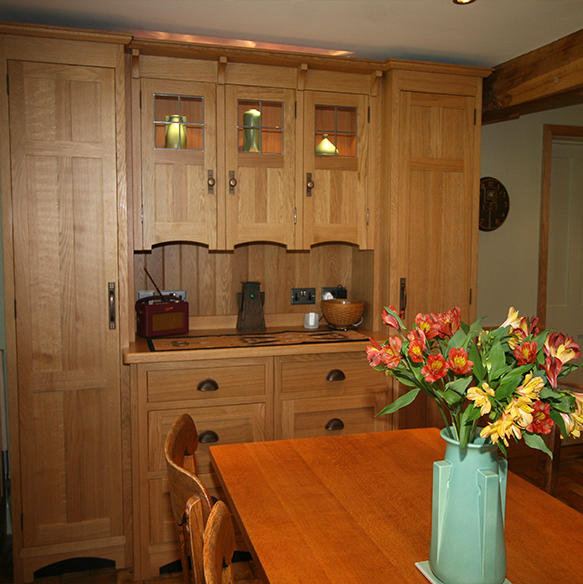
467, 528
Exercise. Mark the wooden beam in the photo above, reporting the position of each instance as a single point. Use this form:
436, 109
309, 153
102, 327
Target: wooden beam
548, 77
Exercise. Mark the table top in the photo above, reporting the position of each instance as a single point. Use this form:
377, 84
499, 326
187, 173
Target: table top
356, 509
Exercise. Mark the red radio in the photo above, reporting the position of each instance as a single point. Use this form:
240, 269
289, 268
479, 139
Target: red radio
159, 316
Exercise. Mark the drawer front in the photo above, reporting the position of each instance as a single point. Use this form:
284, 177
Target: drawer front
330, 374
218, 380
308, 418
219, 424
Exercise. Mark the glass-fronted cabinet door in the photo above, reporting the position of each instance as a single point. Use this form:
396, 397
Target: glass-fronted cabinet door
179, 161
260, 130
335, 168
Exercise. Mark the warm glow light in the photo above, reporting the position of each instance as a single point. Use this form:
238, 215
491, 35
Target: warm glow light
463, 1
188, 38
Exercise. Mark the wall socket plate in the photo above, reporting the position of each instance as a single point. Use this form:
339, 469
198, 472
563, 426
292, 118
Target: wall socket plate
147, 293
303, 296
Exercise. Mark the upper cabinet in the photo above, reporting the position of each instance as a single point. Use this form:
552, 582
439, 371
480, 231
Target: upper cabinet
175, 151
260, 139
335, 161
232, 153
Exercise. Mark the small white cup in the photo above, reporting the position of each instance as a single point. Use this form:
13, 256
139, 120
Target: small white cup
311, 320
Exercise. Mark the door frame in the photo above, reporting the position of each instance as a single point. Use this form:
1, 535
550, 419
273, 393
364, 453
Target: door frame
550, 132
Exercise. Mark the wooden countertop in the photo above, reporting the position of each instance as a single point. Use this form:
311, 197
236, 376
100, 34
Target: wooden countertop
139, 351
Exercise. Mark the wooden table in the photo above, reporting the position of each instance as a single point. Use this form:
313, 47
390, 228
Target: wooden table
356, 509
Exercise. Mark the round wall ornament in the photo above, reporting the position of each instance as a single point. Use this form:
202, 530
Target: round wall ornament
494, 203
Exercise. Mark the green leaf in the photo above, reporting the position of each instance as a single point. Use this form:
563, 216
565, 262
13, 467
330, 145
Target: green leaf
452, 397
558, 419
456, 341
536, 441
478, 369
497, 360
460, 385
400, 402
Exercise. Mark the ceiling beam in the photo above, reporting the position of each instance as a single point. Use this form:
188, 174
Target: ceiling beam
546, 78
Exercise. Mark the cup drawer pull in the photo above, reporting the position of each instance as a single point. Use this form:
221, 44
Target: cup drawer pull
334, 424
208, 437
207, 385
335, 375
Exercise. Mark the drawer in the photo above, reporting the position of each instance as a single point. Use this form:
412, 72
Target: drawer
219, 379
221, 424
308, 418
330, 374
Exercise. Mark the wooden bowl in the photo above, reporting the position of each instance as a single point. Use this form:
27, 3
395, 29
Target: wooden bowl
342, 313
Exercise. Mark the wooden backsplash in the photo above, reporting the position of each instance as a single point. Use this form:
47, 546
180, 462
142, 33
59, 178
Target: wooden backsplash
213, 279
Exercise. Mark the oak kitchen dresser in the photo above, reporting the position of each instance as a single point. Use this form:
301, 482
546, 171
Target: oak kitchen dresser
91, 196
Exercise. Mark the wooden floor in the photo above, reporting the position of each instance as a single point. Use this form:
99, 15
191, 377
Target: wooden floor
570, 491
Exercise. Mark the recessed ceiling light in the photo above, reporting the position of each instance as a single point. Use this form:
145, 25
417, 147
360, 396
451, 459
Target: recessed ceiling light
463, 1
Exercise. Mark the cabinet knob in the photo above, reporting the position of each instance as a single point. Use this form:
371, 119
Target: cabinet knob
207, 385
212, 182
233, 182
334, 424
208, 437
309, 184
335, 375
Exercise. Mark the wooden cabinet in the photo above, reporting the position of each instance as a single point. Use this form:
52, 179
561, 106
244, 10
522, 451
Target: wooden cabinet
61, 191
327, 394
432, 164
230, 400
335, 161
261, 202
251, 167
178, 174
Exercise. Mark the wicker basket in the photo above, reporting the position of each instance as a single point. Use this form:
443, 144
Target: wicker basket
341, 313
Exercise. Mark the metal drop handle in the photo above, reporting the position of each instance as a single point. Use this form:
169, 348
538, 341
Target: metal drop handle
334, 424
111, 301
207, 385
335, 375
208, 437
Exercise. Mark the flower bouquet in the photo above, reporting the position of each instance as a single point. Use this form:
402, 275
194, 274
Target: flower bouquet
509, 374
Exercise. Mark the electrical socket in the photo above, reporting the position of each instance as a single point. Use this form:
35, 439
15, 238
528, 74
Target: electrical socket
147, 293
303, 296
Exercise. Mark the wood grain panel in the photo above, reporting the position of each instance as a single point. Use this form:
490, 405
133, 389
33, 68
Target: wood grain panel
64, 164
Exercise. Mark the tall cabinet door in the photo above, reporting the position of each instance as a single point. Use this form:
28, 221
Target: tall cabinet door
335, 168
260, 138
179, 162
436, 222
63, 161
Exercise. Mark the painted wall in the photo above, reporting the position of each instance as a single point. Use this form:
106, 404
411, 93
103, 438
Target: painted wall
508, 256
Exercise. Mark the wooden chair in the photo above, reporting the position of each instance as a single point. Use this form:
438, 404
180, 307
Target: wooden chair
191, 502
219, 546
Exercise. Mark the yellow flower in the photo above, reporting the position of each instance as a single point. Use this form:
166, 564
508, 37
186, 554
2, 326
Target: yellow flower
513, 319
480, 397
501, 429
531, 387
520, 410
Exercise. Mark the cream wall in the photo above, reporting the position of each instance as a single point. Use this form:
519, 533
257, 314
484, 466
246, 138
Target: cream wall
508, 256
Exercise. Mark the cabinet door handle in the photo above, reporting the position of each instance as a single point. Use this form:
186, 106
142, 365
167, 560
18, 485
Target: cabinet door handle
207, 385
334, 424
335, 375
309, 184
208, 437
403, 297
111, 301
232, 182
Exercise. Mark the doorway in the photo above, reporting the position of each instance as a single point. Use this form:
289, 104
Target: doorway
560, 295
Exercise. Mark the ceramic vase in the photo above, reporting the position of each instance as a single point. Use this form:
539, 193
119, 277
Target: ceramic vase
176, 132
467, 529
252, 131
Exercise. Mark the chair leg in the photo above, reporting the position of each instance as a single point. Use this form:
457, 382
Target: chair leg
552, 464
